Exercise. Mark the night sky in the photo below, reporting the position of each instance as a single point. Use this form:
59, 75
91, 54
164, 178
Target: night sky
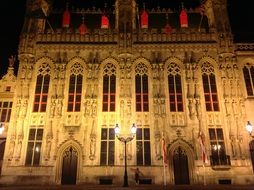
12, 17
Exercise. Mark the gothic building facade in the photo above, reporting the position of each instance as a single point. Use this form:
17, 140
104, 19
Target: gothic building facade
177, 75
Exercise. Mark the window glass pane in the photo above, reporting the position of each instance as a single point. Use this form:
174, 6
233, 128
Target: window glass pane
145, 83
70, 107
103, 157
139, 149
138, 83
31, 134
219, 134
43, 108
104, 134
105, 84
139, 134
147, 154
112, 83
29, 153
39, 134
36, 108
79, 80
111, 134
111, 156
37, 153
77, 107
212, 134
146, 134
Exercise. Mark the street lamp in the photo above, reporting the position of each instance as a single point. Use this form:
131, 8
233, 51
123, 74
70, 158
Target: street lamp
125, 140
249, 127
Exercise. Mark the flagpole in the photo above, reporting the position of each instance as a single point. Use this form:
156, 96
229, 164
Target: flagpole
199, 26
204, 174
164, 174
164, 158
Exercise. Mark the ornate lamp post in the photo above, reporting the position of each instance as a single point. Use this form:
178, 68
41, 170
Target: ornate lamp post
249, 128
1, 128
125, 140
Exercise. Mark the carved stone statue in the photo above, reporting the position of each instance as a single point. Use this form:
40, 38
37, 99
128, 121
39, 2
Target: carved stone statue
157, 145
11, 146
59, 107
191, 107
92, 146
52, 107
234, 146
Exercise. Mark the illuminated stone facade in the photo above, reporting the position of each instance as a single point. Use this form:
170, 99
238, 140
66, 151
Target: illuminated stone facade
72, 89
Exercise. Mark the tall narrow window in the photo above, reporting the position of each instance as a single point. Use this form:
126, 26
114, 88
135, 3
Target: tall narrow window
217, 144
175, 88
248, 73
33, 153
141, 88
107, 146
75, 88
143, 147
109, 88
5, 111
41, 89
210, 89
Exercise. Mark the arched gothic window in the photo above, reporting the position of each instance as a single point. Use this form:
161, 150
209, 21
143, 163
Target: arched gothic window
75, 88
41, 89
109, 88
210, 89
141, 87
248, 73
175, 88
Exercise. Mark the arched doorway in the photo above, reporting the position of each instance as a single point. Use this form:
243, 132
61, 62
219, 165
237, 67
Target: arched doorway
69, 166
252, 153
181, 168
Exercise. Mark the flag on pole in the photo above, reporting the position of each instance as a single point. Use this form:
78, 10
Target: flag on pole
183, 18
201, 140
164, 152
200, 9
66, 18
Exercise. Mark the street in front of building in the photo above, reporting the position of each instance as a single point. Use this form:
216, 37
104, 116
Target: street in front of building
137, 187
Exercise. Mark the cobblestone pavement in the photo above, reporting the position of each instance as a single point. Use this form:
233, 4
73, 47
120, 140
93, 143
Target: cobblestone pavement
140, 187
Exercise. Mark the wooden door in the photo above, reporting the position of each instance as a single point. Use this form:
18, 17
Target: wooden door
69, 168
181, 169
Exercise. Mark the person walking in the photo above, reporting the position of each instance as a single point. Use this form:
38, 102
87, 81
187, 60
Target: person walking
137, 173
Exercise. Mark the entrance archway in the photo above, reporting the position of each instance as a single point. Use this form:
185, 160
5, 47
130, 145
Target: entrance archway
181, 158
181, 168
69, 166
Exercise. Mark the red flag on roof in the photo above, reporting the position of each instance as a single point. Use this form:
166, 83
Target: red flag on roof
183, 18
82, 29
66, 18
144, 19
168, 29
104, 22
